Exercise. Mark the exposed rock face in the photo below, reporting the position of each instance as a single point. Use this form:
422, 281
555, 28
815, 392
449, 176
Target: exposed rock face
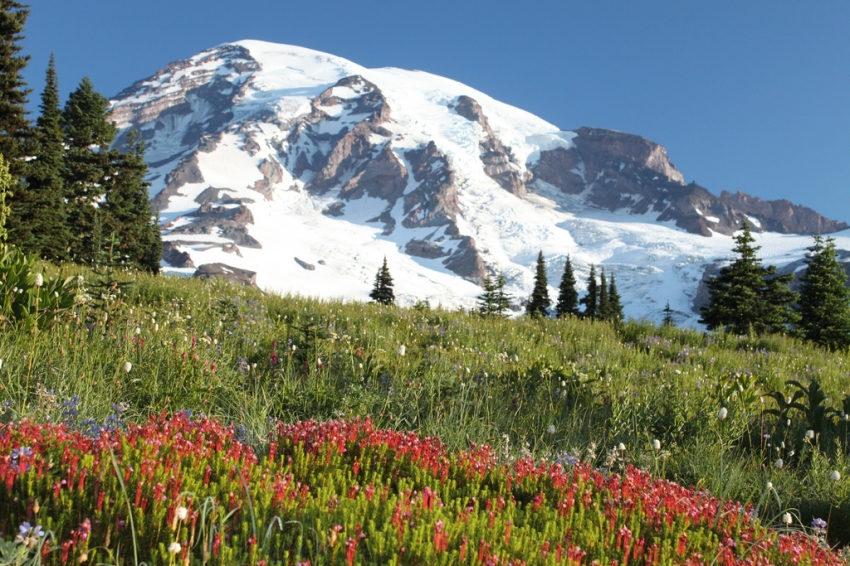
424, 248
383, 177
187, 171
495, 157
272, 175
782, 216
174, 256
198, 99
305, 265
230, 273
434, 202
466, 261
226, 221
618, 171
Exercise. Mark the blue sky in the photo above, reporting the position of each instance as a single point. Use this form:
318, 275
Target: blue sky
745, 95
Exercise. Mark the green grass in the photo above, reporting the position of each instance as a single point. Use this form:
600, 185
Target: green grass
210, 348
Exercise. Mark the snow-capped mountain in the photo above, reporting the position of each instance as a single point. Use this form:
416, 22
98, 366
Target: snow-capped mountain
301, 171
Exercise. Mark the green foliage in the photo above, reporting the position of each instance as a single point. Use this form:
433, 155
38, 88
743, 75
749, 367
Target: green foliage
538, 303
591, 300
747, 296
5, 185
615, 306
29, 299
824, 304
494, 301
382, 292
567, 293
668, 320
14, 126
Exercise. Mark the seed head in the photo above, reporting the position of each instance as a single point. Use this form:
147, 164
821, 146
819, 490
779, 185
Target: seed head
779, 464
722, 413
786, 518
810, 434
39, 280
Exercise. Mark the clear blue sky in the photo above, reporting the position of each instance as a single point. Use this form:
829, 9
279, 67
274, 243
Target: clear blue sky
745, 95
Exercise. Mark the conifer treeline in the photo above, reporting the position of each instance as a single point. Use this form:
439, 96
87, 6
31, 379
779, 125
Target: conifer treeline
72, 196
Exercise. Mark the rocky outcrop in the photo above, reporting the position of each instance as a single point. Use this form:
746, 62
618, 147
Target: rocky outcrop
272, 174
623, 172
186, 172
174, 257
305, 265
200, 90
434, 202
782, 216
466, 261
496, 159
223, 271
226, 221
424, 248
383, 176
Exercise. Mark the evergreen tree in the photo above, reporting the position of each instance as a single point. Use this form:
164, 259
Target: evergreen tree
382, 292
43, 230
494, 301
89, 163
127, 210
503, 299
824, 304
539, 302
615, 307
14, 126
746, 295
487, 300
567, 294
602, 308
668, 316
591, 300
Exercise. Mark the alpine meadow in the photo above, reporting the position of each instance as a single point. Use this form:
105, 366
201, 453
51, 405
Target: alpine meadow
170, 395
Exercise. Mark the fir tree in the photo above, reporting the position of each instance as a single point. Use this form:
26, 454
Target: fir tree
14, 126
503, 299
127, 209
567, 294
539, 302
747, 296
382, 292
615, 307
668, 316
602, 308
487, 300
824, 304
88, 163
591, 300
43, 230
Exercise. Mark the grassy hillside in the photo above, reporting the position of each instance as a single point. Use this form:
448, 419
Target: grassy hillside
563, 390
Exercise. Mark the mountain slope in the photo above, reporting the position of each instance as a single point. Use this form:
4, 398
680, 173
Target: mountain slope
309, 169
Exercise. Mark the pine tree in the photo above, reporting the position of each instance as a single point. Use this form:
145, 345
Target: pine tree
127, 209
15, 134
747, 296
668, 316
487, 300
539, 302
89, 164
591, 300
503, 299
567, 294
824, 304
615, 307
602, 309
14, 126
44, 228
382, 292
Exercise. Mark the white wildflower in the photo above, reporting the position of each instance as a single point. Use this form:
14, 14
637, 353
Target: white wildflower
621, 447
810, 434
769, 485
722, 413
551, 430
835, 476
137, 331
39, 280
656, 444
786, 518
174, 547
181, 513
779, 464
127, 367
402, 349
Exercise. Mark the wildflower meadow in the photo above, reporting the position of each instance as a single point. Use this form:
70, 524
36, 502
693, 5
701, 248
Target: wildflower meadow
162, 420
